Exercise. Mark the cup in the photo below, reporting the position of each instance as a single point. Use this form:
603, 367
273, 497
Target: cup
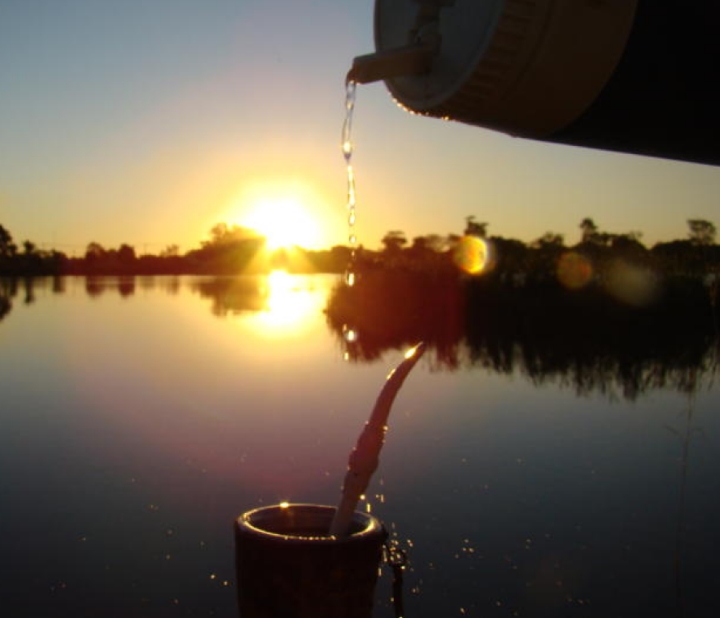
288, 566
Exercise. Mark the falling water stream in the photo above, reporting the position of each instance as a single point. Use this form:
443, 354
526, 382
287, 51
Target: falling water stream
347, 149
349, 332
364, 458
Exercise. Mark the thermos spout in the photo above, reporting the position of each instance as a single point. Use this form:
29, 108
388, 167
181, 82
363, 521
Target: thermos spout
382, 65
411, 57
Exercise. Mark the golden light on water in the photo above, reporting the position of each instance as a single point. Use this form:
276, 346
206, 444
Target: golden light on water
289, 307
473, 255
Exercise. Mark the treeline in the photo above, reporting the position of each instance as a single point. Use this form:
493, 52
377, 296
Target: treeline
605, 315
236, 250
598, 255
230, 250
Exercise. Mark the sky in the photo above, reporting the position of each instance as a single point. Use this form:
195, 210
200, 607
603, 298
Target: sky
149, 121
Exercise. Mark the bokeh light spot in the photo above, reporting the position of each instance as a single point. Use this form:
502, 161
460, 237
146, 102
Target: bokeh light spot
472, 255
574, 270
631, 284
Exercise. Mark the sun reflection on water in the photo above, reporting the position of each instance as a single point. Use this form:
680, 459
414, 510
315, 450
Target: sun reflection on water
289, 308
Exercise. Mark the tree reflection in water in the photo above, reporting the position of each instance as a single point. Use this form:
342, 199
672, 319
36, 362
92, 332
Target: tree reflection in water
582, 339
232, 295
7, 291
274, 306
279, 298
585, 339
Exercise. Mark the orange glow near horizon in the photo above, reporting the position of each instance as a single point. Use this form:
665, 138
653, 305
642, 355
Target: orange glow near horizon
286, 213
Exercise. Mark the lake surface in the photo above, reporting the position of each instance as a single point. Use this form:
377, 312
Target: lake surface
140, 416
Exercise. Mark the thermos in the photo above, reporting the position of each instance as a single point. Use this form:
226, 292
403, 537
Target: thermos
636, 76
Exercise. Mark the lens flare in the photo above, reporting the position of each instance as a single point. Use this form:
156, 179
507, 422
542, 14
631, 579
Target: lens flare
574, 270
631, 284
473, 255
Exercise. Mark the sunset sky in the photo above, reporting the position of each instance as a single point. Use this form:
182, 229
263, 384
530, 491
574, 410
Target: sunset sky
148, 121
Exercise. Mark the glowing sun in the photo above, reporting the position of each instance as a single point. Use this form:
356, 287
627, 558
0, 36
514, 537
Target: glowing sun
285, 214
283, 221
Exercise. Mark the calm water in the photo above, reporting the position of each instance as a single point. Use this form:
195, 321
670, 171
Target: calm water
139, 417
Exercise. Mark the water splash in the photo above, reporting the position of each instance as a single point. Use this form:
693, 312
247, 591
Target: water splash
365, 457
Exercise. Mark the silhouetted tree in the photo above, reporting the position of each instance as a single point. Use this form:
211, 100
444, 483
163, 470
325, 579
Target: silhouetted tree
230, 250
218, 233
508, 257
629, 247
547, 240
94, 252
473, 228
394, 241
126, 254
546, 252
436, 242
222, 234
702, 232
170, 251
451, 241
589, 230
7, 246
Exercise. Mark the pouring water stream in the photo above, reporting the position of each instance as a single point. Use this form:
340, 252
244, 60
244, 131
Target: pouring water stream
364, 458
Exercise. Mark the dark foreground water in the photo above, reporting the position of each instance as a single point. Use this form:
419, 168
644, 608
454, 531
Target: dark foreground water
139, 417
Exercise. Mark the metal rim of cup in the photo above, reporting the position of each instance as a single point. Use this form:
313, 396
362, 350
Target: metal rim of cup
259, 523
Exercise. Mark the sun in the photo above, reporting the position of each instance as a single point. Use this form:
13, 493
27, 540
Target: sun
283, 221
286, 214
